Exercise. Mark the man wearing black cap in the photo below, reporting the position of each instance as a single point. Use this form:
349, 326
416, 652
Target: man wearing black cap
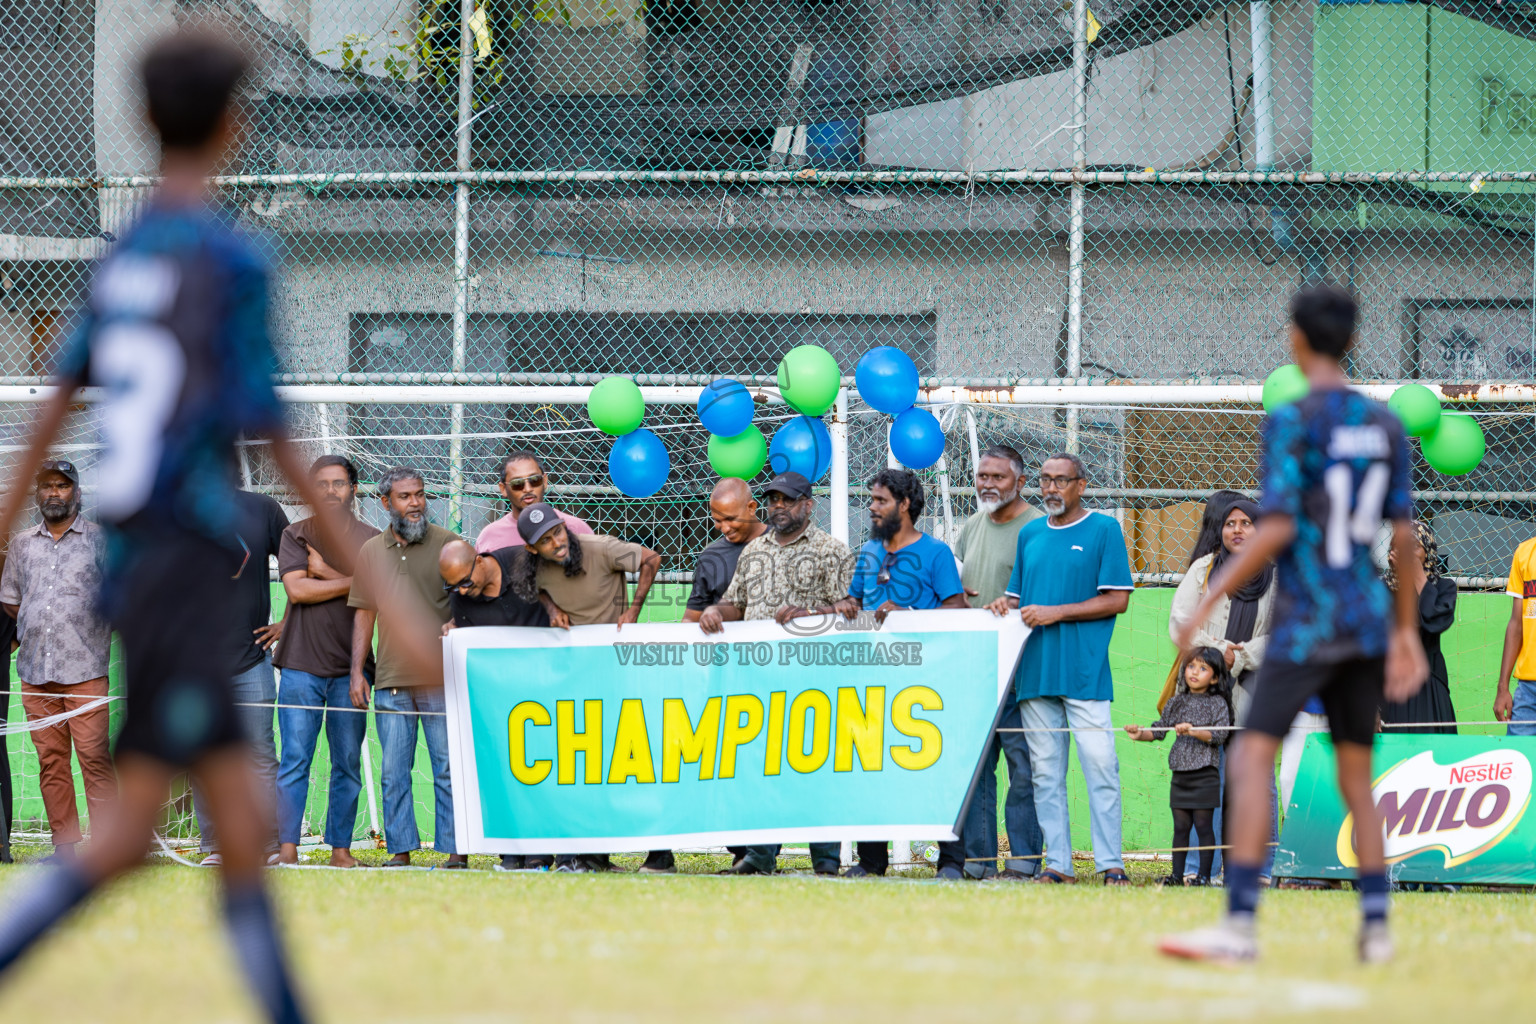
583, 579
792, 571
49, 586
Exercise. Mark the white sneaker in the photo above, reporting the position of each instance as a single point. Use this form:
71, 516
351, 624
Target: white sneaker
1375, 945
1225, 943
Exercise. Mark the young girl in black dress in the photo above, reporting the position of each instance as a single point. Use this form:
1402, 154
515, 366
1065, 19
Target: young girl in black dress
1201, 701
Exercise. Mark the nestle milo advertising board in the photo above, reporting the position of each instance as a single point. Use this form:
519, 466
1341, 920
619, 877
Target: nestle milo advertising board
1455, 810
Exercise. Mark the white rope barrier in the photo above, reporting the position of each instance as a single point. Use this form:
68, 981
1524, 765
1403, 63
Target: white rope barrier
42, 723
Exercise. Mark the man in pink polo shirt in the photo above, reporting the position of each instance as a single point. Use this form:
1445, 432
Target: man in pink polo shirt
523, 482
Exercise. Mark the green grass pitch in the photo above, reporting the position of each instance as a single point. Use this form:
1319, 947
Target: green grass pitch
479, 947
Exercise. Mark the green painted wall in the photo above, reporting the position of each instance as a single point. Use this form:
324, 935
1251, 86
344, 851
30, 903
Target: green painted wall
1368, 105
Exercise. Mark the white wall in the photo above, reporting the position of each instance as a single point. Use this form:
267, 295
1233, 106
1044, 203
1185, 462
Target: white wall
1163, 105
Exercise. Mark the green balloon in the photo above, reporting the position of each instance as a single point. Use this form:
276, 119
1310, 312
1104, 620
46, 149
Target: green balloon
740, 455
1417, 407
615, 406
809, 379
1456, 446
1286, 385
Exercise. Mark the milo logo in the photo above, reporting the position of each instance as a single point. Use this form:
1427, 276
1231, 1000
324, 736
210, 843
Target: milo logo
1462, 809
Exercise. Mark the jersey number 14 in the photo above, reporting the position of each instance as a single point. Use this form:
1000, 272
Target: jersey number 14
1354, 516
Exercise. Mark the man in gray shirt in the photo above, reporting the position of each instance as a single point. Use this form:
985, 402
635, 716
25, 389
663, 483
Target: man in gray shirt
986, 548
50, 583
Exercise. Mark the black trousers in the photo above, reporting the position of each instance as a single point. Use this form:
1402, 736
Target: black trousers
7, 807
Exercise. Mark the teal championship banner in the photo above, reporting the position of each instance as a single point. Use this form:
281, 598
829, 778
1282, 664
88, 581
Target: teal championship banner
597, 739
1455, 810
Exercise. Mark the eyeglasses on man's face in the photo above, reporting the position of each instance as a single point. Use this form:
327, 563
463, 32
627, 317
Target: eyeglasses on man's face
1056, 483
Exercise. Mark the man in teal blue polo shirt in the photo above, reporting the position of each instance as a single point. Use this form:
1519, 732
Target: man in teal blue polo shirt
1070, 579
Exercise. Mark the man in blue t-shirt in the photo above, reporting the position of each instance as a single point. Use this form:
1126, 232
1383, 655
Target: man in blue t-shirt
899, 567
1070, 579
1335, 465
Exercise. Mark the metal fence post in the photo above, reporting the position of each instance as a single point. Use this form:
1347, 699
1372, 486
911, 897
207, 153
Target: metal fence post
1075, 226
839, 482
461, 262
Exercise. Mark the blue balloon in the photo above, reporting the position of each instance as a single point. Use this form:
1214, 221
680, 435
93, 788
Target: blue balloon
917, 440
639, 463
802, 445
726, 408
887, 379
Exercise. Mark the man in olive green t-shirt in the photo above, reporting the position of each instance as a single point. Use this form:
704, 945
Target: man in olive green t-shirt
402, 561
986, 548
584, 577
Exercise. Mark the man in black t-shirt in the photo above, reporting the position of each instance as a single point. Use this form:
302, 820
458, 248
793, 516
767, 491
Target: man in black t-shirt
480, 593
260, 525
480, 589
734, 512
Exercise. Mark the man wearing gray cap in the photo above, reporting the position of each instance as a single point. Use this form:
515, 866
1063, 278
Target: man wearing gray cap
793, 570
584, 578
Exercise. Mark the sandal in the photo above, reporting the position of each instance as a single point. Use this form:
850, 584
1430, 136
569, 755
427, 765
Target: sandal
1116, 876
1048, 876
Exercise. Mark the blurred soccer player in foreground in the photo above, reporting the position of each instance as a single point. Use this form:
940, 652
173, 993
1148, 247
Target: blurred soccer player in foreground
175, 332
1335, 465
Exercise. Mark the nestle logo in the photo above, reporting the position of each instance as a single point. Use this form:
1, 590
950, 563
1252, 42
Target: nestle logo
1482, 773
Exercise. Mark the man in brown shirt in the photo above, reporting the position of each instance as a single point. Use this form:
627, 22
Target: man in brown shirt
585, 579
402, 563
315, 658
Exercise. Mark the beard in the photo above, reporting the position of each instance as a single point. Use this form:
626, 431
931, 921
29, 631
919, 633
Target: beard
412, 531
571, 563
1055, 506
883, 529
990, 505
56, 511
785, 522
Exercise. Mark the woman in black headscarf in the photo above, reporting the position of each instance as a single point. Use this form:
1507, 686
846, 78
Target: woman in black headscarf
1437, 610
1239, 626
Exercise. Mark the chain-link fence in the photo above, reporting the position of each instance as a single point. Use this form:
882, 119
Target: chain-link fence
1100, 192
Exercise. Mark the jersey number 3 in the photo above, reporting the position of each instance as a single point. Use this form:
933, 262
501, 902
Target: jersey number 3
1353, 516
141, 367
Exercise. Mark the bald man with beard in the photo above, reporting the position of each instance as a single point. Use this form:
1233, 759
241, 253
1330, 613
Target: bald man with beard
734, 512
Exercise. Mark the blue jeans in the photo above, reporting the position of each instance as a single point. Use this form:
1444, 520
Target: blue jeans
1525, 708
256, 685
344, 732
975, 852
397, 737
1101, 769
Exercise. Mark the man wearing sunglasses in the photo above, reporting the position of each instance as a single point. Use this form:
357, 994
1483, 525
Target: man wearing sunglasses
523, 483
1071, 577
52, 577
899, 567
